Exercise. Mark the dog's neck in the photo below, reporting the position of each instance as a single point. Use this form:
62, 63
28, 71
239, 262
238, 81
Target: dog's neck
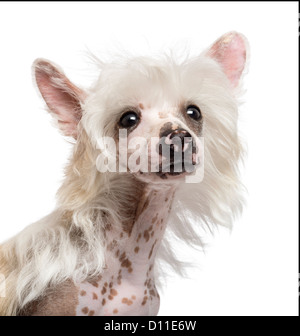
141, 235
127, 283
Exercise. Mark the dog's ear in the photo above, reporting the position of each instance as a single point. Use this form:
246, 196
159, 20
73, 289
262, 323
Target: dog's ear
230, 51
63, 98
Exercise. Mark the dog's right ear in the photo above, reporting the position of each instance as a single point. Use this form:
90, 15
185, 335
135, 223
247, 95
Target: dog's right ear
62, 97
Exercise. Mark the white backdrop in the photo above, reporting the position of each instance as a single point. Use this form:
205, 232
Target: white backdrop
253, 271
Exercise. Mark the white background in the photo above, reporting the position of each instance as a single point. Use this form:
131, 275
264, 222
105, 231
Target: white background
253, 271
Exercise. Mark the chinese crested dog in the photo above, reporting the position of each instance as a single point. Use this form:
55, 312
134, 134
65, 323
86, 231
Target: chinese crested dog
155, 156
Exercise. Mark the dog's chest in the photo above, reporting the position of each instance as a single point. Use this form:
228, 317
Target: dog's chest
126, 286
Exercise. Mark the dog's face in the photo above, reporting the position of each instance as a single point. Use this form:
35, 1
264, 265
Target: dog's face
148, 115
166, 138
153, 112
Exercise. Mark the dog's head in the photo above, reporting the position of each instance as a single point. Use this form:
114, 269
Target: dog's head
149, 116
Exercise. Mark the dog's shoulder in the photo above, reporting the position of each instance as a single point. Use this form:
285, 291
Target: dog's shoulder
60, 300
8, 280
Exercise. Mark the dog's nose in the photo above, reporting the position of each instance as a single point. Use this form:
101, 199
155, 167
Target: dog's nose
179, 140
181, 135
175, 141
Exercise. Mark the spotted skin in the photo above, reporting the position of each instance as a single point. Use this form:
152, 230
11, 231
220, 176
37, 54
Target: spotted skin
126, 286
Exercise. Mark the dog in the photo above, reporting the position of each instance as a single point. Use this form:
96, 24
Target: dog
99, 252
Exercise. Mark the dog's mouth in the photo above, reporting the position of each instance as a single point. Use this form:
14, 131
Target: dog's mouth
180, 161
176, 165
176, 168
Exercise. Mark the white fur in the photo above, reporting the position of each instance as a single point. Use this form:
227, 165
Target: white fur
47, 254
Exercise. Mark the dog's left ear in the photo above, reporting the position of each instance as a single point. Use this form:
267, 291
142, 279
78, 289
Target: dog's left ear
62, 97
230, 51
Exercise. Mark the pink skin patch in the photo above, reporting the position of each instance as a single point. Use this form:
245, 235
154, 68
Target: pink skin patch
230, 52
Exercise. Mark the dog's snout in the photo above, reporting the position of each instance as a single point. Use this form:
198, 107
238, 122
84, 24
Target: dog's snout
178, 140
175, 141
181, 135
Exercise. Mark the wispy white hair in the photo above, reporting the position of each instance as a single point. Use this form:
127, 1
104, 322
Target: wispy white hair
67, 244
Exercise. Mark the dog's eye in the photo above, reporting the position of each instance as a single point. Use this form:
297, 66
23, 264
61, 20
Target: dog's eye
129, 119
194, 112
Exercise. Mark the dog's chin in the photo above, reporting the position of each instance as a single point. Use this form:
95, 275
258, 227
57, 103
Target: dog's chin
171, 175
161, 177
165, 176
